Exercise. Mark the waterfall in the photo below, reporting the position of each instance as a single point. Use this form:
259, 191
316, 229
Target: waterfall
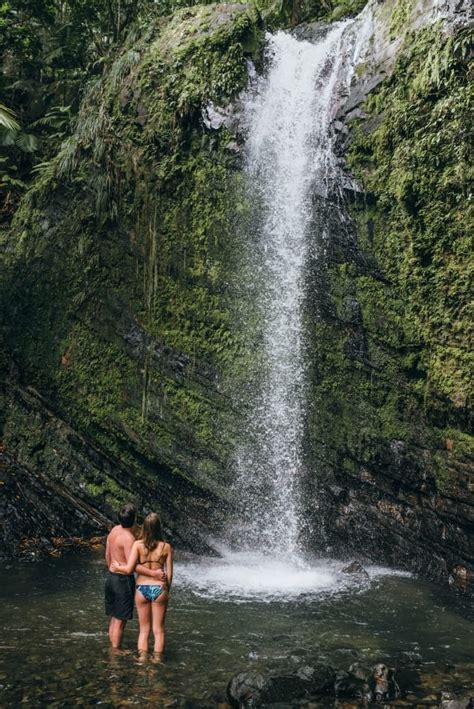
288, 159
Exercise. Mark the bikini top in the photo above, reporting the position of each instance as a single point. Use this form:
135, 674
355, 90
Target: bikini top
160, 561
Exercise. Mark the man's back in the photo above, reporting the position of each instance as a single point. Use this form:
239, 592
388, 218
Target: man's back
119, 544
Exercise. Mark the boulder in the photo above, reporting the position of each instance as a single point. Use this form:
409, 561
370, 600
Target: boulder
252, 689
350, 686
384, 685
246, 689
355, 568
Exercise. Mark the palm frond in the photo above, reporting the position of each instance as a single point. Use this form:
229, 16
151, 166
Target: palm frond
7, 137
26, 142
7, 118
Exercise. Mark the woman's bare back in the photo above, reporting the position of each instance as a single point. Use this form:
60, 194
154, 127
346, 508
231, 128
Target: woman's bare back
154, 559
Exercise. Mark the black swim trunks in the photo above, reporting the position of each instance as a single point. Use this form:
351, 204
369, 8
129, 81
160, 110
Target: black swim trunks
119, 594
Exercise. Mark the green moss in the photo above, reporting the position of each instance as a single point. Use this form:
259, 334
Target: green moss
416, 166
91, 376
345, 8
391, 356
126, 238
400, 17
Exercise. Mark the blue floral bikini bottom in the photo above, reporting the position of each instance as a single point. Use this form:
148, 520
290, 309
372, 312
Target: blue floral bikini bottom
151, 593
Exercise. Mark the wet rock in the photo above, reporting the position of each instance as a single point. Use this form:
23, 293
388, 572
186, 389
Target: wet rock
384, 683
306, 682
319, 678
380, 676
461, 577
355, 568
337, 491
349, 686
464, 702
355, 114
358, 670
246, 689
43, 504
252, 689
285, 688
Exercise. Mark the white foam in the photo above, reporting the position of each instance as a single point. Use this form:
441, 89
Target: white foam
253, 576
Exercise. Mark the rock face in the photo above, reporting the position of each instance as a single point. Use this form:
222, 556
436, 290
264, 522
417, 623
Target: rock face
119, 344
57, 482
118, 321
390, 425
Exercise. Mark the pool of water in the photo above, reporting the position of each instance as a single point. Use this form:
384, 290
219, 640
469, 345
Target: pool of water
225, 615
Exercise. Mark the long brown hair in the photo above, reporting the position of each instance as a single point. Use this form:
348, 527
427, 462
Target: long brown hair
152, 531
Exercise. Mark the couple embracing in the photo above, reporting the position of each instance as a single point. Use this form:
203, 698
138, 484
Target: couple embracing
150, 557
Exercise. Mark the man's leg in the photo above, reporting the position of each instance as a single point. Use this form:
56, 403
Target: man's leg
116, 629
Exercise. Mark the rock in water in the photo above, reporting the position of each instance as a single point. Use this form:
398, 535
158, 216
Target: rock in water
245, 689
359, 671
385, 685
252, 689
355, 568
319, 678
306, 682
457, 702
350, 686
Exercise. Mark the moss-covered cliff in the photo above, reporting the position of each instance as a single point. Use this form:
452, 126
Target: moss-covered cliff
119, 343
117, 266
392, 375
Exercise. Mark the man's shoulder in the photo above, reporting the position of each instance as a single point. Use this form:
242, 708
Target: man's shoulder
114, 531
126, 533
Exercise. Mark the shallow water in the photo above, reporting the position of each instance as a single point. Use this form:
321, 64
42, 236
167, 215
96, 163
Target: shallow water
225, 615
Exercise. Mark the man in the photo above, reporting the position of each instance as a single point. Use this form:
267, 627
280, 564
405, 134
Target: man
120, 588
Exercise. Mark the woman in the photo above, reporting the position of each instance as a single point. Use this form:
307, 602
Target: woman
151, 596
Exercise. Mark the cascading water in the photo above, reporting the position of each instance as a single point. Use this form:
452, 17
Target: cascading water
289, 158
293, 183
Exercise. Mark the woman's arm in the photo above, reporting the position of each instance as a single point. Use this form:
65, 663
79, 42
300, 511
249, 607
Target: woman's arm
129, 567
169, 566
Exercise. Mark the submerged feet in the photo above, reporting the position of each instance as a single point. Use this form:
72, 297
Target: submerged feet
156, 658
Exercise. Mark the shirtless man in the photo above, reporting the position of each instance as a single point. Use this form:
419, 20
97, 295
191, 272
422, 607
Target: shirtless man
120, 588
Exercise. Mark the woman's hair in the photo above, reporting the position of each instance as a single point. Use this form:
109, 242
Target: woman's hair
152, 531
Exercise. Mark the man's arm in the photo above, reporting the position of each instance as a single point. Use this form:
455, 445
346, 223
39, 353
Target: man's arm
108, 558
129, 567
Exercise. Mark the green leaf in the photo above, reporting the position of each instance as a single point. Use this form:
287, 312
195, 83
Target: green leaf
27, 142
7, 118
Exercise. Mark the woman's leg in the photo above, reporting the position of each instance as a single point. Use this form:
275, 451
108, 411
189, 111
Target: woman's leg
158, 609
144, 619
